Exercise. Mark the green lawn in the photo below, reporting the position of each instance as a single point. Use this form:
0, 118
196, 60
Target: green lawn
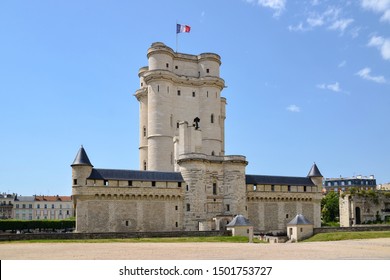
334, 236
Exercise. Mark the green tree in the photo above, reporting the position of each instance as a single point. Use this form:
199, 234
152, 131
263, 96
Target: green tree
330, 207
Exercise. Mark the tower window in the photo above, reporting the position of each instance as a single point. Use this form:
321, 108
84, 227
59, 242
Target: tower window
193, 94
212, 118
179, 184
158, 88
188, 207
177, 224
144, 165
130, 183
178, 92
74, 181
228, 207
167, 65
144, 129
207, 70
177, 125
153, 183
176, 67
272, 188
214, 188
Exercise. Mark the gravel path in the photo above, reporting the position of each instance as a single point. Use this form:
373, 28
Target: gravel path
374, 249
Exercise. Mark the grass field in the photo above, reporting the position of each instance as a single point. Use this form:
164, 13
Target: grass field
335, 236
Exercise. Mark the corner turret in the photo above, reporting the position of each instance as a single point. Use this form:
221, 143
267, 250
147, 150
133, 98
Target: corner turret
81, 168
316, 176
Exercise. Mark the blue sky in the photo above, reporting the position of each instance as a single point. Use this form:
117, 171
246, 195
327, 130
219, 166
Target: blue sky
308, 81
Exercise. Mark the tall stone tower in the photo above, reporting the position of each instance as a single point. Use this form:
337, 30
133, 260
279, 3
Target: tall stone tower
175, 88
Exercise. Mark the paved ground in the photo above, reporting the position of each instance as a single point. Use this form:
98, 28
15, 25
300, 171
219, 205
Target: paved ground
374, 249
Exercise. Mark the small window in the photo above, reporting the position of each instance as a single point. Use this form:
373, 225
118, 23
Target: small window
228, 207
179, 184
286, 216
213, 153
142, 84
167, 65
177, 125
207, 70
193, 94
153, 183
52, 206
127, 223
38, 206
214, 188
188, 207
30, 206
212, 118
177, 224
24, 206
176, 67
17, 205
272, 188
144, 129
178, 92
74, 181
144, 165
254, 187
304, 188
158, 88
106, 182
130, 183
187, 188
176, 208
301, 229
289, 188
45, 206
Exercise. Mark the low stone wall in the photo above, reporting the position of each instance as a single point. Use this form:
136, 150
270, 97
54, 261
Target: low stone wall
110, 235
355, 228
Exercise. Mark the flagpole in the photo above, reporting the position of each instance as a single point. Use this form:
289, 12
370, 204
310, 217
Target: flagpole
176, 35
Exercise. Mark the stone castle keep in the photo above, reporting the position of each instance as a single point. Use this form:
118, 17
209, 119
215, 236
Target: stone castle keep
185, 181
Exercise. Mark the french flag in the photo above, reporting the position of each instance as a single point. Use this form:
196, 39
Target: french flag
180, 28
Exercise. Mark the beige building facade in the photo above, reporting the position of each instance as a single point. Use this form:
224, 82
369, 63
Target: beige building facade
185, 181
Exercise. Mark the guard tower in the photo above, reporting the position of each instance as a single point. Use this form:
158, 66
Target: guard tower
176, 88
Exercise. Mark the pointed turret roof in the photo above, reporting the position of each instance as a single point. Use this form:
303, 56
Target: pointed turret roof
299, 220
239, 220
81, 158
314, 171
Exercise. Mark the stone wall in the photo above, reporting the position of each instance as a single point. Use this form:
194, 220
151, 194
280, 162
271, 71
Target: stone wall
111, 235
354, 229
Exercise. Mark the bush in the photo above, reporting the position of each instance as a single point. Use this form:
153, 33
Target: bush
15, 225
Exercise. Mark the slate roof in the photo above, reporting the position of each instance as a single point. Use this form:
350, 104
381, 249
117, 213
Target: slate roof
314, 172
278, 180
135, 175
299, 220
239, 220
52, 198
81, 158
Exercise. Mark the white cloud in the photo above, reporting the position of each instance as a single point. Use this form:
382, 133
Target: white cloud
341, 24
365, 73
298, 27
383, 44
333, 87
293, 108
378, 6
342, 64
277, 5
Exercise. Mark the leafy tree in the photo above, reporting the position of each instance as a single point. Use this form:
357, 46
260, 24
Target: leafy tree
330, 207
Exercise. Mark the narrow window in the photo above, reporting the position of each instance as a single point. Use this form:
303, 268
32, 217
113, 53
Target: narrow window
144, 165
179, 184
272, 188
286, 216
144, 131
177, 125
187, 188
130, 183
177, 224
176, 208
228, 207
193, 94
214, 188
178, 92
289, 188
74, 181
304, 188
168, 89
207, 93
212, 118
212, 153
188, 207
127, 223
207, 70
176, 67
142, 84
158, 88
167, 65
153, 183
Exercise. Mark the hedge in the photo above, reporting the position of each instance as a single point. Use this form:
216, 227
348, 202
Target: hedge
36, 224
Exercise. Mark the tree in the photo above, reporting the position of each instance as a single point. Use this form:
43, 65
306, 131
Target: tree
330, 207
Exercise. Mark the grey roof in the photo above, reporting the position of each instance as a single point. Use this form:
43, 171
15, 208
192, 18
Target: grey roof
25, 198
239, 220
314, 171
81, 158
135, 175
299, 220
278, 180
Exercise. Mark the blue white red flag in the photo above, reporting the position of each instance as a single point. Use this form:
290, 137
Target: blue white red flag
180, 28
